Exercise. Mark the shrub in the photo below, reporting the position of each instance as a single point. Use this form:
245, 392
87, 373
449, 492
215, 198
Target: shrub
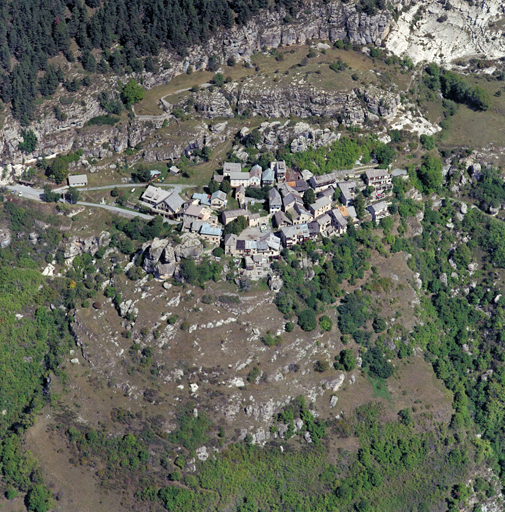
11, 493
325, 323
321, 366
271, 340
208, 298
289, 327
172, 319
175, 476
307, 320
379, 324
347, 360
253, 374
378, 366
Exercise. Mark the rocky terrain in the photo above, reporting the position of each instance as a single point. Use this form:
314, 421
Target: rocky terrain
429, 31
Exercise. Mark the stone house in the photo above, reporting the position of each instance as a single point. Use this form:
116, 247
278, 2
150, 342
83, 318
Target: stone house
321, 226
380, 179
268, 177
210, 233
255, 176
320, 183
293, 235
281, 220
338, 220
230, 215
256, 267
154, 195
170, 206
320, 207
300, 215
274, 201
280, 170
239, 178
347, 191
218, 199
240, 196
78, 180
378, 210
229, 167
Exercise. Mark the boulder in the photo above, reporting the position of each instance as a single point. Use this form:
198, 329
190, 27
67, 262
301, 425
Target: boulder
336, 384
153, 254
165, 267
5, 237
104, 239
190, 247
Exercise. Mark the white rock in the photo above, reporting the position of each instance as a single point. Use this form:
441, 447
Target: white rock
193, 387
202, 453
238, 382
74, 361
336, 384
333, 401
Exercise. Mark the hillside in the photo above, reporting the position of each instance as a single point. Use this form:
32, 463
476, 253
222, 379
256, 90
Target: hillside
277, 284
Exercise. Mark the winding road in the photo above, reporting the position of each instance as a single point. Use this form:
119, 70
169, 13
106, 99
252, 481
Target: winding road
35, 194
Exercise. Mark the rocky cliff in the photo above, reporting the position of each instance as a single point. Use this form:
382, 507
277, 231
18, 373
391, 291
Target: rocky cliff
429, 30
444, 32
332, 20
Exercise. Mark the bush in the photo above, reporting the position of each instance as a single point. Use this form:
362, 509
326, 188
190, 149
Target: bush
29, 143
325, 323
321, 366
428, 142
253, 374
208, 298
271, 340
378, 366
289, 327
172, 319
218, 252
307, 320
218, 80
175, 476
379, 324
11, 493
347, 360
38, 499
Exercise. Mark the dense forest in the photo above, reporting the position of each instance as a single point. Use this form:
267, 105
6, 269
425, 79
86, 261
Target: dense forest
32, 32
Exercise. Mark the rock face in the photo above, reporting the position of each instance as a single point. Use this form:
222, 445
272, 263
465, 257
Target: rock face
212, 104
318, 20
166, 265
190, 247
159, 259
5, 237
77, 245
427, 31
153, 255
379, 102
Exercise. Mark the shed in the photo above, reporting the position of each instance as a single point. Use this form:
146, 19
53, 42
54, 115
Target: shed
78, 180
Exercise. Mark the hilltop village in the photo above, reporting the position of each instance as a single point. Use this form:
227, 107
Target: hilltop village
277, 207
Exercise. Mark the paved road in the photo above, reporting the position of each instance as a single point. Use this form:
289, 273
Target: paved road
177, 187
115, 209
36, 195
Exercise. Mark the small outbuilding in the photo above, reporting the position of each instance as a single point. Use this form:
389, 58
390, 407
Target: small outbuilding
78, 180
